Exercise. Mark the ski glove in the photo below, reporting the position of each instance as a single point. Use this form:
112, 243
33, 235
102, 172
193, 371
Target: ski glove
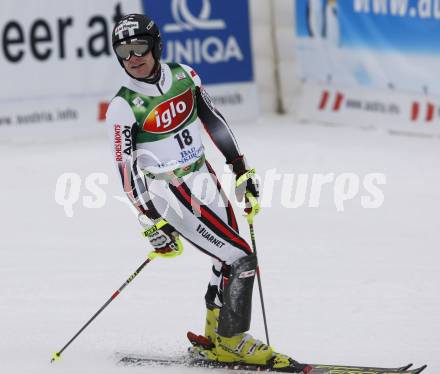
164, 239
246, 184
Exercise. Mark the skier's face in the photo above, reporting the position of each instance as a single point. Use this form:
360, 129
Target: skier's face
140, 66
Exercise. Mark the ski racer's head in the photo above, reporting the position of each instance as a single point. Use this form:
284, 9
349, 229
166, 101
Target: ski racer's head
138, 46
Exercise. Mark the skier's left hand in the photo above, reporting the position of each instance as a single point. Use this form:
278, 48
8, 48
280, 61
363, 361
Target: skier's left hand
246, 186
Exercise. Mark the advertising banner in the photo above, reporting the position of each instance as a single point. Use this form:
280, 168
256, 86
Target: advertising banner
213, 37
57, 63
56, 59
382, 56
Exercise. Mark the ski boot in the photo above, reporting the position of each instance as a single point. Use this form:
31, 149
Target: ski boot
249, 352
241, 352
226, 343
211, 323
203, 346
242, 348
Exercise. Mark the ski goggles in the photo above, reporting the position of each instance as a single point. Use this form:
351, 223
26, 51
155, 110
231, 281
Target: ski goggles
139, 48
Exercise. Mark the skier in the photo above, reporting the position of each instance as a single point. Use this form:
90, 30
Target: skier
155, 123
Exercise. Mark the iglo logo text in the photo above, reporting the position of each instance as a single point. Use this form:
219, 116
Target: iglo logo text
170, 114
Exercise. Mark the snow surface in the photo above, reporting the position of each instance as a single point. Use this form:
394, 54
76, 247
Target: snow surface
354, 287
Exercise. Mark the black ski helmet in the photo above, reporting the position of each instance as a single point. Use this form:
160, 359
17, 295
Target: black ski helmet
137, 27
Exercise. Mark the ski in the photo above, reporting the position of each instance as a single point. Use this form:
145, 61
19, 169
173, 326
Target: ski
190, 361
336, 369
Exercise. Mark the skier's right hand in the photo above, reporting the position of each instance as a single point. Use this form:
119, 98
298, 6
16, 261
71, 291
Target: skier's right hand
166, 242
163, 237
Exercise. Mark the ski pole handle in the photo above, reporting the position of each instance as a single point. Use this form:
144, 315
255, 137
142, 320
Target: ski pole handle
149, 231
255, 208
152, 229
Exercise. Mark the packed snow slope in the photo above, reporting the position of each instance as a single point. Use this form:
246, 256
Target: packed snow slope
358, 286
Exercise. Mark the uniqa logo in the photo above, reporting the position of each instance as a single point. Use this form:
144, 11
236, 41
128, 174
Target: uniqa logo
211, 49
186, 21
170, 114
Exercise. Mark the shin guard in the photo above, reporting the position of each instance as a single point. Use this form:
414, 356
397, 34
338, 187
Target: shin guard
235, 315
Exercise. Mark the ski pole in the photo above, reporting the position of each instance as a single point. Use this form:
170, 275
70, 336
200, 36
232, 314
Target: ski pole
57, 355
250, 218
